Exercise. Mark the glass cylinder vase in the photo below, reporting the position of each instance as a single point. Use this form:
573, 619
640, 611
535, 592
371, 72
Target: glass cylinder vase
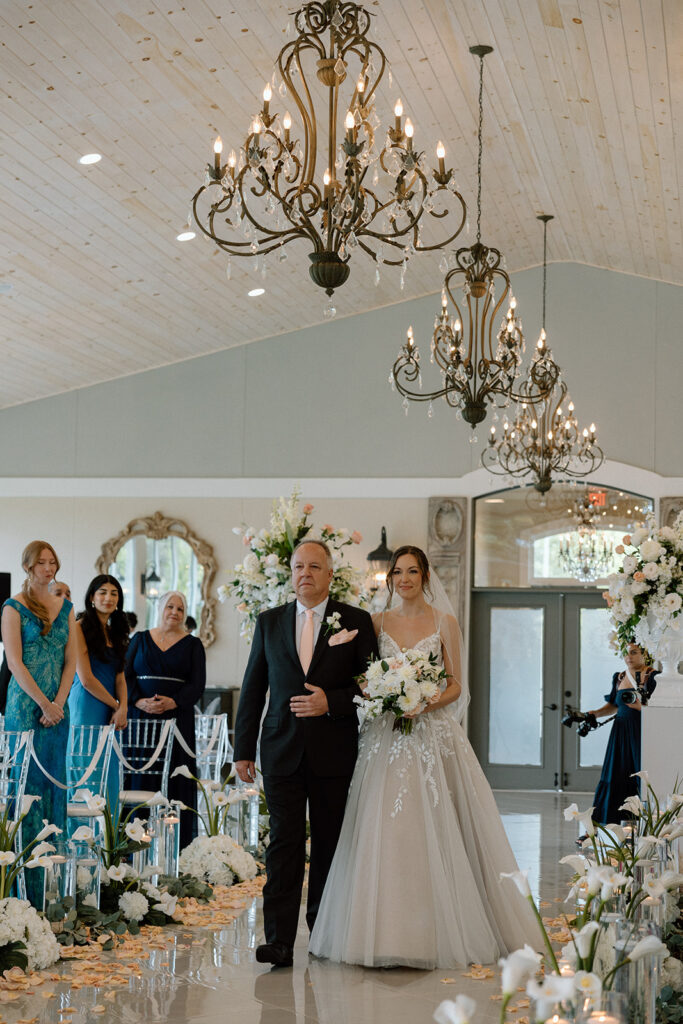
638, 981
87, 872
59, 877
242, 820
607, 1008
169, 844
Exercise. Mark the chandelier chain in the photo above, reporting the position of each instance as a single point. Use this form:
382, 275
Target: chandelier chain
481, 132
545, 267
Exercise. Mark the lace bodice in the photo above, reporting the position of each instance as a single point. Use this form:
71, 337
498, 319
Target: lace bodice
388, 648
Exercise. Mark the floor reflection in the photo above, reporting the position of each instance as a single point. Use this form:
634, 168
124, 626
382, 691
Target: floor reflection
209, 976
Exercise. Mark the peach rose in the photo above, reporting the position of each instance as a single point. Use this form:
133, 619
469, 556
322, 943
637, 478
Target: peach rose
329, 528
356, 537
308, 509
619, 549
626, 538
246, 541
639, 576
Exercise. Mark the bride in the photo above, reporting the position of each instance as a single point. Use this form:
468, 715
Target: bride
415, 879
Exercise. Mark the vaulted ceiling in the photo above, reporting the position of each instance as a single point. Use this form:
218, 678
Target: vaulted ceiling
582, 112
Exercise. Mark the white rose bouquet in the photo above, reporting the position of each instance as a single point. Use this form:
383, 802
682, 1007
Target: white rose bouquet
263, 579
403, 686
646, 595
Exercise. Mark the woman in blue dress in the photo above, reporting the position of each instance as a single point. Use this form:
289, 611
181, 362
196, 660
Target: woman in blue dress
99, 695
622, 757
166, 676
38, 631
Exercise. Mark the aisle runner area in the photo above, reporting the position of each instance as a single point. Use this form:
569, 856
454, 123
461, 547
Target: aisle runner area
203, 971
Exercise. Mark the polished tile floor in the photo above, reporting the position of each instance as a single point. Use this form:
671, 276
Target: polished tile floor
219, 981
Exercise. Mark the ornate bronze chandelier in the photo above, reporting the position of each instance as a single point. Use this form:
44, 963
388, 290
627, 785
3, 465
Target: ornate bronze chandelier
585, 554
544, 440
474, 372
341, 193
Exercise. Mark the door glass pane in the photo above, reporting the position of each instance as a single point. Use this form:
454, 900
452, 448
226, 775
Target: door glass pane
598, 663
516, 686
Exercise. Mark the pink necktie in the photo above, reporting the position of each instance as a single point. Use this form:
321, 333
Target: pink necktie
306, 647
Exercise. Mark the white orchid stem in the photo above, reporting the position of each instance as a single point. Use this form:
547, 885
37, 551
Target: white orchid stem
546, 940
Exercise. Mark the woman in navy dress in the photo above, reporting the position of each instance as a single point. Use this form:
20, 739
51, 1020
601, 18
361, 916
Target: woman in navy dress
622, 757
99, 695
166, 676
38, 634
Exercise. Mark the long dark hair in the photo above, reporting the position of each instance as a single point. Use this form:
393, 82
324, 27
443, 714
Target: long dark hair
95, 637
423, 564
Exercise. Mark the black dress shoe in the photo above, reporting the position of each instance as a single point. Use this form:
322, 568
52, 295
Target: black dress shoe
275, 953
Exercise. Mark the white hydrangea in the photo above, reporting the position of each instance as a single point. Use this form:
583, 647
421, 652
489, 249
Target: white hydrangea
133, 905
218, 860
20, 922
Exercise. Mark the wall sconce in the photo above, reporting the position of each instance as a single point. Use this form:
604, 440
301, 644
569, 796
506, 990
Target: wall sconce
148, 584
379, 561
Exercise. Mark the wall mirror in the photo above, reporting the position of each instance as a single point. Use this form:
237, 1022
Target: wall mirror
154, 554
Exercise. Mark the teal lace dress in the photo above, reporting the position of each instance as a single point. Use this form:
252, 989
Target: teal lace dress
43, 656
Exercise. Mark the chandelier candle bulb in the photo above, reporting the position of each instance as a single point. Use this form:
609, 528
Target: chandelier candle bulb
410, 131
398, 114
350, 125
267, 97
217, 150
441, 153
287, 124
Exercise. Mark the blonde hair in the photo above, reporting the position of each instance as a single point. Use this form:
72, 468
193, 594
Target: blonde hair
165, 598
30, 556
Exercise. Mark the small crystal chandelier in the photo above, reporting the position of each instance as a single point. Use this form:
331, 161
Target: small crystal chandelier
368, 196
543, 440
586, 555
473, 372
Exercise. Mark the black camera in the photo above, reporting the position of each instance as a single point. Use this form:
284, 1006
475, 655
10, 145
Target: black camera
632, 696
585, 720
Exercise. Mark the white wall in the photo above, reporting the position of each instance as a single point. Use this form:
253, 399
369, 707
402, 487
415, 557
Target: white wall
316, 403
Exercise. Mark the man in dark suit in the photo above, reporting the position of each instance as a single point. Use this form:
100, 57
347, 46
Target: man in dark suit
307, 654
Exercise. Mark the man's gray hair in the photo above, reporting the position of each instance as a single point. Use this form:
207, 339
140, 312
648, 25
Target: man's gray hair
320, 543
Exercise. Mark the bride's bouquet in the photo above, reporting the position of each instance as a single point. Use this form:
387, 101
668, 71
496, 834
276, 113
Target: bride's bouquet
403, 685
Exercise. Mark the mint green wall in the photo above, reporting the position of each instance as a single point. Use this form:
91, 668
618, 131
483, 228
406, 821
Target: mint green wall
316, 402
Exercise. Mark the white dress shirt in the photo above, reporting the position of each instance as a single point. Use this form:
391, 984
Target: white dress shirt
318, 616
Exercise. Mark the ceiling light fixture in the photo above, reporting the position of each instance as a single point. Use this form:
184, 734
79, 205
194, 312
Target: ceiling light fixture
185, 236
474, 370
348, 191
543, 440
255, 292
90, 158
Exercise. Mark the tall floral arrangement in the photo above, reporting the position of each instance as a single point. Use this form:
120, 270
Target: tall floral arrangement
263, 579
646, 595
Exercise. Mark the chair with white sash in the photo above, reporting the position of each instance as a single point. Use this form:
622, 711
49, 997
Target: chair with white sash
145, 746
213, 753
15, 758
88, 767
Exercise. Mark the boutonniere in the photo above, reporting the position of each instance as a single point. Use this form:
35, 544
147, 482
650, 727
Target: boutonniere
332, 623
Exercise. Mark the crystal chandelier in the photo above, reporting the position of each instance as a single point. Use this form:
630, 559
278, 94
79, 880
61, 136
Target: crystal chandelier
544, 440
586, 555
341, 193
473, 371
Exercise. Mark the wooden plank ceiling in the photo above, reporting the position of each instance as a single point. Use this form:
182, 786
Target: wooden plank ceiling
581, 102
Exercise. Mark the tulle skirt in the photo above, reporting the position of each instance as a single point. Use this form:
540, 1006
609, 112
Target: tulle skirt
415, 879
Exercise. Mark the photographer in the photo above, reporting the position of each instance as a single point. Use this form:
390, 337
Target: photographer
622, 758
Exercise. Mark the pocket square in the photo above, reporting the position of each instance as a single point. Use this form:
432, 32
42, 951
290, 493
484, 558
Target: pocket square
342, 637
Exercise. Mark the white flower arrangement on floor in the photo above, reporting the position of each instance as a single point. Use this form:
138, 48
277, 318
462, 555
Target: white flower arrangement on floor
403, 686
218, 860
21, 923
581, 971
646, 596
263, 579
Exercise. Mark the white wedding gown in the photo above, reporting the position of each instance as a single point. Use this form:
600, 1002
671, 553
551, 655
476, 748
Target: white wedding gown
415, 879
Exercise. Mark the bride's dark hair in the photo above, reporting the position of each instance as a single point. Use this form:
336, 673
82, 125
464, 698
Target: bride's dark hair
422, 562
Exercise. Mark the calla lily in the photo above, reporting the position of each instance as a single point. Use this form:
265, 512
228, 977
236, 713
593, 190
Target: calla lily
520, 878
135, 831
39, 862
584, 938
649, 946
236, 795
577, 862
569, 954
7, 857
632, 804
149, 870
183, 770
616, 831
81, 796
90, 900
517, 967
641, 775
27, 802
674, 831
84, 834
151, 891
158, 800
460, 1010
117, 872
220, 800
41, 849
596, 876
167, 905
588, 984
585, 818
671, 879
674, 801
554, 989
48, 830
611, 880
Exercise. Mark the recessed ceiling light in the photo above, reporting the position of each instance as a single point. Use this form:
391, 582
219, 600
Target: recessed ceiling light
185, 236
255, 291
90, 158
494, 501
